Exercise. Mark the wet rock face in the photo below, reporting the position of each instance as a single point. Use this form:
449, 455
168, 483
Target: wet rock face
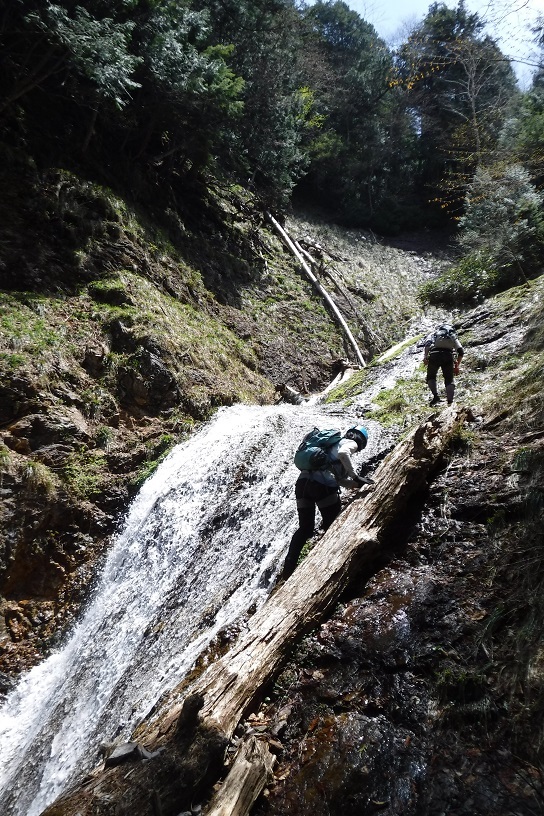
18, 395
42, 430
149, 384
393, 709
346, 767
47, 551
356, 739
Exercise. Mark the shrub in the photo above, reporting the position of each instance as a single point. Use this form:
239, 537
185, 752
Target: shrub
104, 437
39, 479
85, 473
503, 216
474, 277
502, 234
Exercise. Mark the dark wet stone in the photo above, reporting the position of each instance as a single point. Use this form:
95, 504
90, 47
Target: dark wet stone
129, 751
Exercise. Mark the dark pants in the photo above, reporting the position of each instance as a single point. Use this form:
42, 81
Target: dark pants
440, 360
309, 495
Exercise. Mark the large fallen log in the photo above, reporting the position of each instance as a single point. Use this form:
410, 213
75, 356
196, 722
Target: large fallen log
230, 685
228, 689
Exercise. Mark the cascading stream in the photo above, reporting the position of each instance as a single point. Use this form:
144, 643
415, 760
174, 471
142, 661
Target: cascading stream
202, 544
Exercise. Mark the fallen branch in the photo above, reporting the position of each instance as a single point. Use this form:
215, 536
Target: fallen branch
323, 292
246, 779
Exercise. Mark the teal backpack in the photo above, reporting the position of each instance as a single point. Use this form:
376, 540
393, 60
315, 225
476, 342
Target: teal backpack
312, 452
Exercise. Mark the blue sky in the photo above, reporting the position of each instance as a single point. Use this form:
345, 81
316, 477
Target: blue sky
508, 20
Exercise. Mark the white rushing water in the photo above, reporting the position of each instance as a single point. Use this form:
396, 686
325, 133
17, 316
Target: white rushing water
200, 545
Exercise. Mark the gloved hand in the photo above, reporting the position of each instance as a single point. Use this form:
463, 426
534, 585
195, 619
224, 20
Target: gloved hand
456, 367
364, 480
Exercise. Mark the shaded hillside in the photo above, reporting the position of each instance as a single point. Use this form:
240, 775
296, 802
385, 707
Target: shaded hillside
118, 338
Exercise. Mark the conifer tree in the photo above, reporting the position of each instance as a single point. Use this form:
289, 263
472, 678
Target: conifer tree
459, 86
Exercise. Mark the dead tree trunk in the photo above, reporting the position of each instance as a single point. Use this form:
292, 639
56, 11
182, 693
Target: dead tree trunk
326, 271
323, 292
246, 779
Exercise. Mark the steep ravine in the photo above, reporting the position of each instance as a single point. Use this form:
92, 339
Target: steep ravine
117, 350
421, 694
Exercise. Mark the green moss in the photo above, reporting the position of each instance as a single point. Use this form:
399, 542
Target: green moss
145, 471
519, 392
163, 444
403, 404
13, 361
158, 450
395, 351
23, 328
85, 472
108, 313
462, 440
112, 291
350, 389
307, 548
179, 329
189, 338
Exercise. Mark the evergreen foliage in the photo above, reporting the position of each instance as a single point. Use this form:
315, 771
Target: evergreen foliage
163, 100
354, 165
502, 234
503, 217
67, 45
460, 87
264, 149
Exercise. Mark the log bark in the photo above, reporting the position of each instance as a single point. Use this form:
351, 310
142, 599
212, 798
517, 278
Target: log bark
244, 782
231, 684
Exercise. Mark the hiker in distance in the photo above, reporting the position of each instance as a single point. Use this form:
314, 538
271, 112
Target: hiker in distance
324, 458
443, 351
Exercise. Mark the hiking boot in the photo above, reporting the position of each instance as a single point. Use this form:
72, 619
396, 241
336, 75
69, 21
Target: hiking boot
450, 402
434, 401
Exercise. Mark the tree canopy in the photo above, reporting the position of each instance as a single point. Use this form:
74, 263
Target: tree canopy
459, 86
161, 98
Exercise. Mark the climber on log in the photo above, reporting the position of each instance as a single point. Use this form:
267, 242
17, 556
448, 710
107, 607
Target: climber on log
189, 750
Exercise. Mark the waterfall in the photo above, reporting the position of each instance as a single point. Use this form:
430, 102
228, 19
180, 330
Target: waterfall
201, 544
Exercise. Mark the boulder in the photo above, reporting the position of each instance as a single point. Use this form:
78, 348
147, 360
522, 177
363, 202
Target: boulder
40, 430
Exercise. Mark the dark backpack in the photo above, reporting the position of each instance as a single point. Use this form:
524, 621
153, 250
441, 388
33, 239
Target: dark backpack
443, 338
312, 452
